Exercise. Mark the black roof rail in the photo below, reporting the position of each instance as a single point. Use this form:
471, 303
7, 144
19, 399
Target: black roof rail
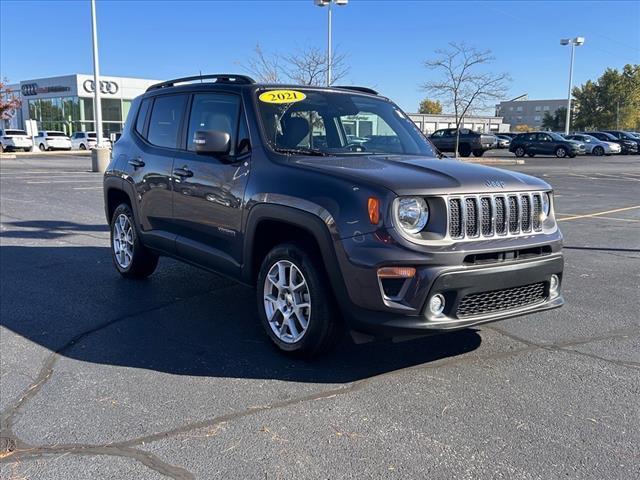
219, 78
357, 89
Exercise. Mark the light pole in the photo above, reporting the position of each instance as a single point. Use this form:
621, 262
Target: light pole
574, 42
328, 3
97, 107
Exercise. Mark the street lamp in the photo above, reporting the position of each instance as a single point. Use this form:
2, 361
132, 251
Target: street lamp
97, 107
574, 42
328, 3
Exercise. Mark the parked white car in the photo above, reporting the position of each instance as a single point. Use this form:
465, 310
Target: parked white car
595, 146
87, 140
11, 139
52, 140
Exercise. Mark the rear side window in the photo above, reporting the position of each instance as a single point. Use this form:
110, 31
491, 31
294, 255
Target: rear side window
214, 111
164, 124
142, 115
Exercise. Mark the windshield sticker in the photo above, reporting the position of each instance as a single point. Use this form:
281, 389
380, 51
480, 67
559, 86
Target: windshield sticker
282, 96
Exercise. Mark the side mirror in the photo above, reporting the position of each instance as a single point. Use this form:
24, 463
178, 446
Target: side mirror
212, 142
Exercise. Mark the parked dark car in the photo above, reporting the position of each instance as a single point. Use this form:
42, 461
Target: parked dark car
226, 174
624, 137
545, 143
469, 142
628, 147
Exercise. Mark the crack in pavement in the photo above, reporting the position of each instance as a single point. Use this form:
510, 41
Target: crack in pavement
7, 416
565, 345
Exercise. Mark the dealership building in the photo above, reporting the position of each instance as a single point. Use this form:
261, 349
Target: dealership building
66, 103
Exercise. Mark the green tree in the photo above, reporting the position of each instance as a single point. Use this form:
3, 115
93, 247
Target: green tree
430, 106
556, 121
613, 101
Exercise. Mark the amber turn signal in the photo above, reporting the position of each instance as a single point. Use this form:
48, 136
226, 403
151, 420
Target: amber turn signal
396, 272
374, 210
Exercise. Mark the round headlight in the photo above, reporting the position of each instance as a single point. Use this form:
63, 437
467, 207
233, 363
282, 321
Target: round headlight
412, 214
546, 204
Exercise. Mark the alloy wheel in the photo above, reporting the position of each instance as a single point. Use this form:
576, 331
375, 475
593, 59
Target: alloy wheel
287, 301
123, 241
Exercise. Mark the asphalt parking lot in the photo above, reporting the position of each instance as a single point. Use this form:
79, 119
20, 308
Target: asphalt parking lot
172, 377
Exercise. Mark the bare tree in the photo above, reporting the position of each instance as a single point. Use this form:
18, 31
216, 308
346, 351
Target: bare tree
266, 68
307, 66
463, 85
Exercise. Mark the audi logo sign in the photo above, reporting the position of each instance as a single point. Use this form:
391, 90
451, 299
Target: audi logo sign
29, 89
106, 86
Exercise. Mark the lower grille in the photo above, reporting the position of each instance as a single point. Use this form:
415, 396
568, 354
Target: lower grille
495, 301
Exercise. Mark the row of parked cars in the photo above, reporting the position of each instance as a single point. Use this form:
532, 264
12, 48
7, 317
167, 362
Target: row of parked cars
607, 142
13, 139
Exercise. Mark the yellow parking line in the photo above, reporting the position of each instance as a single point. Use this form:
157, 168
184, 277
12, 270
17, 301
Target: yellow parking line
598, 213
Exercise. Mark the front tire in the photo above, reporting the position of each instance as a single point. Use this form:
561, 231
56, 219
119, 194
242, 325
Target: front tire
478, 153
464, 150
598, 151
42, 147
295, 302
561, 152
520, 151
82, 146
130, 257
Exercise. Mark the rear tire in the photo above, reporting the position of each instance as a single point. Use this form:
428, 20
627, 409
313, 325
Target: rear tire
82, 147
520, 151
598, 151
42, 147
295, 302
130, 257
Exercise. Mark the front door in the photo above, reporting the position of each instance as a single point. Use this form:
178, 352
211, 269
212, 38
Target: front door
545, 143
209, 190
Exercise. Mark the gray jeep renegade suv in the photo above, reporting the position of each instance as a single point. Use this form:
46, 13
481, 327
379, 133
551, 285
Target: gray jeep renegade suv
333, 204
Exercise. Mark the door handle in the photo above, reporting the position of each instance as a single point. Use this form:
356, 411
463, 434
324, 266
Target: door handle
182, 172
136, 163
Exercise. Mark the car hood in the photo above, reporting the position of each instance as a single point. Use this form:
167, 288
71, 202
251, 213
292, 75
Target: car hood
412, 175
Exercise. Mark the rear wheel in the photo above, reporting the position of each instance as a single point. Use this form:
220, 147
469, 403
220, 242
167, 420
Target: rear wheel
295, 303
42, 147
130, 257
464, 150
598, 151
519, 151
82, 146
561, 152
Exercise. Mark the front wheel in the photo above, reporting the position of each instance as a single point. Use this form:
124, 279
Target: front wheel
82, 146
295, 302
130, 257
519, 151
42, 147
561, 152
598, 151
478, 153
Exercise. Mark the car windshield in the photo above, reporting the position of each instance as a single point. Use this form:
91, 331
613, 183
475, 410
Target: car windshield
627, 136
556, 136
323, 122
15, 132
56, 134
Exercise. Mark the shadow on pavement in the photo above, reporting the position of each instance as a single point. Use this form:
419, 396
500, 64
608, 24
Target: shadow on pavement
181, 321
48, 229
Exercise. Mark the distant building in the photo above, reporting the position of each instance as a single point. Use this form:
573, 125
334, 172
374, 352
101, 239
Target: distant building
66, 102
522, 111
429, 123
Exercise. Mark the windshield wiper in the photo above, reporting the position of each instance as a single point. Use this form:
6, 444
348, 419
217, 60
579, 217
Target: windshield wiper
301, 151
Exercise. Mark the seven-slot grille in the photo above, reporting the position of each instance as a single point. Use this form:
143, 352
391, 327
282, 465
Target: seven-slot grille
474, 216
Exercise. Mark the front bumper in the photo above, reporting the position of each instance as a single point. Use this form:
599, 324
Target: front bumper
370, 311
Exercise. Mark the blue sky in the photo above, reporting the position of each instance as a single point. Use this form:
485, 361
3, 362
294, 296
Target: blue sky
386, 41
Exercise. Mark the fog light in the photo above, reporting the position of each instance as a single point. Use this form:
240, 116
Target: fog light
554, 286
436, 305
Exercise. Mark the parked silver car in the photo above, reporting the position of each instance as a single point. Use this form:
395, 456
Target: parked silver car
595, 146
503, 141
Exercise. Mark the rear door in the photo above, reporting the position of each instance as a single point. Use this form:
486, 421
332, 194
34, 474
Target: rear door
209, 189
545, 144
150, 165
